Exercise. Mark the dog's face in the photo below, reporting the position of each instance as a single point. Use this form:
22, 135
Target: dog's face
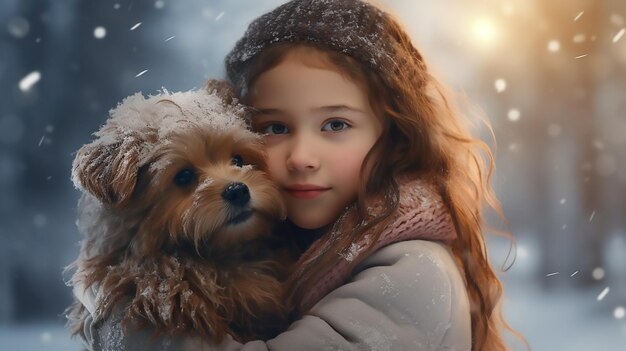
184, 170
208, 188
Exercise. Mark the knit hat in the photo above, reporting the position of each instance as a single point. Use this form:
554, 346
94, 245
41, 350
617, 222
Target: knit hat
351, 27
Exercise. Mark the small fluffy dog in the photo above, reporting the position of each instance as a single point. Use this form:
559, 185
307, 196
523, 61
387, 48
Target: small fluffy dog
177, 215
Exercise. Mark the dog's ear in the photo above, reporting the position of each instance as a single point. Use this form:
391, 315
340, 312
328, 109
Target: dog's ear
221, 88
108, 171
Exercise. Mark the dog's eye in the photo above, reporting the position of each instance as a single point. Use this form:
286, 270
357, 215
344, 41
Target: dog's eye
184, 177
237, 161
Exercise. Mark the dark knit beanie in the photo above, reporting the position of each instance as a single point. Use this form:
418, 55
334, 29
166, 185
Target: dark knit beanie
351, 27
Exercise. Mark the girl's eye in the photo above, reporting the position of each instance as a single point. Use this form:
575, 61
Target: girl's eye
275, 128
184, 177
237, 161
335, 126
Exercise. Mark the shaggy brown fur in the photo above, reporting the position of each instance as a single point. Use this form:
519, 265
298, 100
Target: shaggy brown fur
165, 239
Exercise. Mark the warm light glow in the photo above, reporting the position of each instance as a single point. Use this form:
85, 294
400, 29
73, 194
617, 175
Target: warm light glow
484, 30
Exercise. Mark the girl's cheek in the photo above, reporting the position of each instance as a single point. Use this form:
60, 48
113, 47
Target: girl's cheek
350, 158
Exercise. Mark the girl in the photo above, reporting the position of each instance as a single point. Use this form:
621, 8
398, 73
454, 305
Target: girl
383, 183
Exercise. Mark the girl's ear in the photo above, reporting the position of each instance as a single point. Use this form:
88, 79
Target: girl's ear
108, 171
221, 88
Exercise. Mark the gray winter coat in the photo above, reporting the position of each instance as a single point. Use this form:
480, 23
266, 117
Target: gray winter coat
406, 296
406, 293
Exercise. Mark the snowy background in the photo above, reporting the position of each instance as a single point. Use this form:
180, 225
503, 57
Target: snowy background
550, 75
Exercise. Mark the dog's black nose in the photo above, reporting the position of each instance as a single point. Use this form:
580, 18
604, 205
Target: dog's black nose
237, 194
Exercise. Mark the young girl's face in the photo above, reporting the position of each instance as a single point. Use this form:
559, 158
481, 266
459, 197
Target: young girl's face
319, 126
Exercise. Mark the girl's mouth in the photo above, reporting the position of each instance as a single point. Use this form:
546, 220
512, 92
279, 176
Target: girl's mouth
305, 191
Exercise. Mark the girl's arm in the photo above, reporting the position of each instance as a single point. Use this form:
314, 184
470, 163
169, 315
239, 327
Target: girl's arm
406, 296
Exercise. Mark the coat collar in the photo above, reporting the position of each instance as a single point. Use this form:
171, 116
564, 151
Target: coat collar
421, 214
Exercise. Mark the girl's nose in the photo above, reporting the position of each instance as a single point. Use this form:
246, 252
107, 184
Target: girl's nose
302, 156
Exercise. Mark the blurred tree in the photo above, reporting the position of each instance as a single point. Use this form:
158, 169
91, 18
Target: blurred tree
82, 76
568, 90
25, 55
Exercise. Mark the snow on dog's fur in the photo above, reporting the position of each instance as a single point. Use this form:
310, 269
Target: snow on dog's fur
177, 214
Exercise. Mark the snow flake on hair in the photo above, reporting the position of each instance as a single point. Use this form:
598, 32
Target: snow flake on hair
166, 113
156, 118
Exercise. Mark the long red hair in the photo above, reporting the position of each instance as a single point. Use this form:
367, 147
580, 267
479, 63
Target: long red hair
422, 134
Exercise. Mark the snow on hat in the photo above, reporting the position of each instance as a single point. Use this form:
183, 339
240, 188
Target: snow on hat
351, 27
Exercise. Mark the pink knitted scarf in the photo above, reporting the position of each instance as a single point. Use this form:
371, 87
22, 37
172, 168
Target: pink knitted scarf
421, 214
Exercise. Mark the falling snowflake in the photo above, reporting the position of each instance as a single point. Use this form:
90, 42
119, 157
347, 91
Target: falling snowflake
581, 56
598, 273
500, 85
554, 46
514, 115
29, 81
141, 73
135, 26
18, 27
219, 16
619, 35
617, 20
579, 38
100, 32
619, 312
592, 215
603, 294
578, 15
